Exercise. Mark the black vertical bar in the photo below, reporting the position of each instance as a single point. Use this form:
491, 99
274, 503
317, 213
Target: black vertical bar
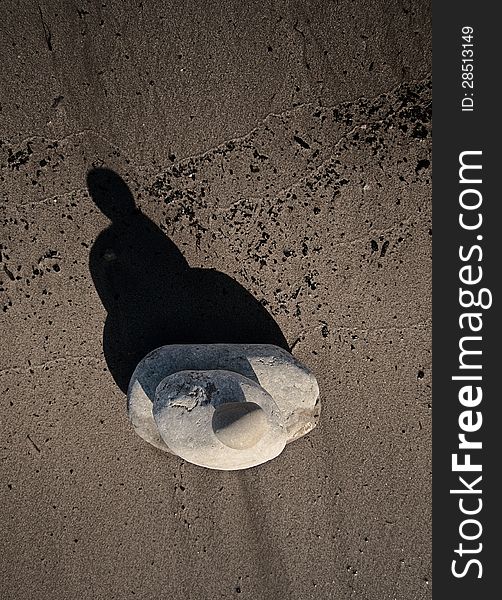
471, 127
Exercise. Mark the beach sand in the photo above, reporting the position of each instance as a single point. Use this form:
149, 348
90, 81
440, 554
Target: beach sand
271, 182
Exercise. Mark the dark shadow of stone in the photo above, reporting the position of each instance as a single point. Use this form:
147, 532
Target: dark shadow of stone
151, 294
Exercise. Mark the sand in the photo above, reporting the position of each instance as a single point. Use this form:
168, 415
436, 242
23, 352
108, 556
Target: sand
273, 185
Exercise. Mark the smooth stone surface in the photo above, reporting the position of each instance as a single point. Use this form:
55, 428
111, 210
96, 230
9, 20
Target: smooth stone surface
292, 386
239, 425
184, 411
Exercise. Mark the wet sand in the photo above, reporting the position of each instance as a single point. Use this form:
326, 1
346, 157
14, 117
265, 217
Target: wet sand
272, 182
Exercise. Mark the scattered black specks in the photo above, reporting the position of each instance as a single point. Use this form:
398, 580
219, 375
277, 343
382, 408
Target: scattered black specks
419, 131
301, 142
33, 443
421, 165
9, 273
309, 280
19, 158
57, 101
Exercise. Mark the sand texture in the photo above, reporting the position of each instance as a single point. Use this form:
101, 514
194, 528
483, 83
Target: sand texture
235, 172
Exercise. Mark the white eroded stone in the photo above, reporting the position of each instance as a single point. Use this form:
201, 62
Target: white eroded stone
188, 407
291, 385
